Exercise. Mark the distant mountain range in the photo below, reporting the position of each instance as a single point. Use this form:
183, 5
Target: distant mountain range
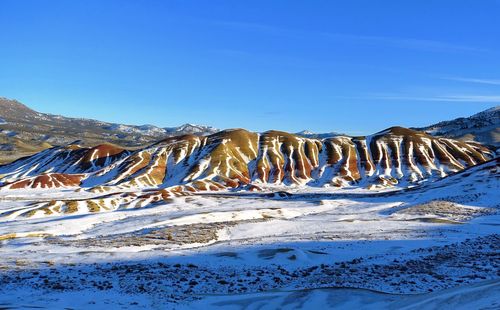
310, 134
24, 131
483, 127
142, 165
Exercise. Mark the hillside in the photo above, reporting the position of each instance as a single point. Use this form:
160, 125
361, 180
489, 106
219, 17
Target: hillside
396, 157
310, 134
483, 127
436, 241
238, 213
24, 131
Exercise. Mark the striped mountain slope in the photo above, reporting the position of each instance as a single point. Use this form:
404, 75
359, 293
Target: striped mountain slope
238, 158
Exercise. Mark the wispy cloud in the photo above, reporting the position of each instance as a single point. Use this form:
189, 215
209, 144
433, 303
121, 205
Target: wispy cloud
268, 29
397, 42
408, 43
443, 98
232, 52
271, 58
474, 80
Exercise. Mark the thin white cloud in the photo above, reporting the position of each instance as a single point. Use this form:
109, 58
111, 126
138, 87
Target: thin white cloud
232, 52
408, 43
474, 80
444, 98
269, 29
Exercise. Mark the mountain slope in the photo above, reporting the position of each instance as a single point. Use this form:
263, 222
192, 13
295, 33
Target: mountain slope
310, 134
24, 131
237, 158
483, 127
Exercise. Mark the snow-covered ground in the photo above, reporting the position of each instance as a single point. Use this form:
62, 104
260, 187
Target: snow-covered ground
482, 295
433, 246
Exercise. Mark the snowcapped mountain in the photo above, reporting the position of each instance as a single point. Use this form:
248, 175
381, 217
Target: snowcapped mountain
310, 134
148, 130
483, 127
413, 208
154, 131
242, 159
185, 159
191, 129
305, 133
24, 131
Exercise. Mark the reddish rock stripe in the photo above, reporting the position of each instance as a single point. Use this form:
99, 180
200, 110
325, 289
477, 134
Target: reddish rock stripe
235, 158
52, 180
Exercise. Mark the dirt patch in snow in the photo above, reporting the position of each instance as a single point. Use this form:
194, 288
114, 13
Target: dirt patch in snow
446, 210
173, 235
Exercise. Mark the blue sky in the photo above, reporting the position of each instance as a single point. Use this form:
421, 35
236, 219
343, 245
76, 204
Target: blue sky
350, 66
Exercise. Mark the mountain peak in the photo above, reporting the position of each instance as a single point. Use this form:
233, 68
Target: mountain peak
11, 109
491, 112
25, 131
483, 127
305, 132
278, 158
192, 128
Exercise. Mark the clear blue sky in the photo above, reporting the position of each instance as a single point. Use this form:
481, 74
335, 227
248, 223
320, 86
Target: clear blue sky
351, 66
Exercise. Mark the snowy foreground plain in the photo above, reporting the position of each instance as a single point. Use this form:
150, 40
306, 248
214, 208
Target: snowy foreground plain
432, 246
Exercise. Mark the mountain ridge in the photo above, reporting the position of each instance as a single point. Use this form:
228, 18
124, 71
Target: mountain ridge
237, 158
230, 160
25, 131
483, 127
11, 107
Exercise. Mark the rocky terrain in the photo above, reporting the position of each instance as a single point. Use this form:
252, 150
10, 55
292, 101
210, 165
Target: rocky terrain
24, 131
238, 160
238, 219
310, 134
237, 249
483, 127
